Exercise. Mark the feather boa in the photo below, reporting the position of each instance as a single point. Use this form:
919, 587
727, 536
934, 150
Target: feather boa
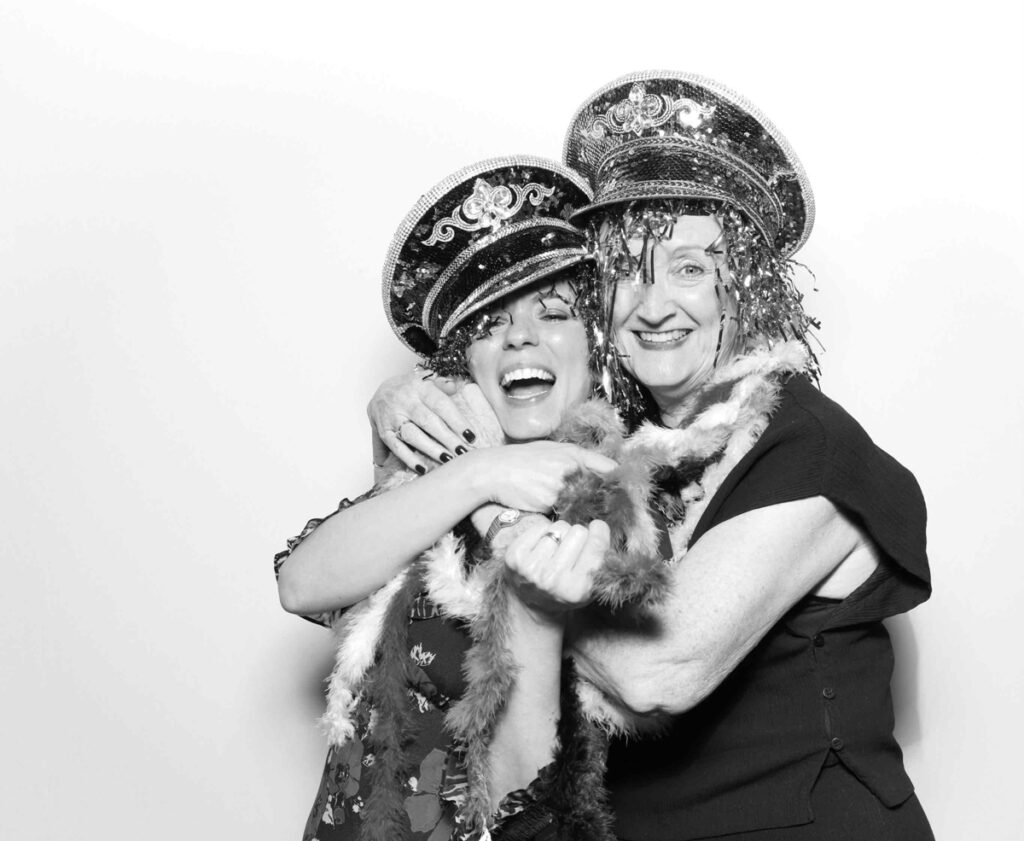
720, 424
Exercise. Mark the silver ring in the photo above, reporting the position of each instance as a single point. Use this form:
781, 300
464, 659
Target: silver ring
401, 426
553, 536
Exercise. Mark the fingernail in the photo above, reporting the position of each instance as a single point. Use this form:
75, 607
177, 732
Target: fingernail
445, 458
420, 469
469, 435
459, 450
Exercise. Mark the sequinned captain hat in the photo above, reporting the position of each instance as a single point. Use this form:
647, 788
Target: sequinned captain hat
668, 135
482, 233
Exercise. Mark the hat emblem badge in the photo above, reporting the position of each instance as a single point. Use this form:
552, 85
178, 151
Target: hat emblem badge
641, 111
488, 207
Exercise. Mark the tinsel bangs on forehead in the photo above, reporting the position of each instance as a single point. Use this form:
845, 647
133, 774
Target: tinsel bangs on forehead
586, 303
769, 307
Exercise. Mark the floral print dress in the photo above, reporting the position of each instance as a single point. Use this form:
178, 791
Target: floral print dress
437, 782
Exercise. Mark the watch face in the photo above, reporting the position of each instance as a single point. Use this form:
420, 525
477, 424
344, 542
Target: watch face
509, 516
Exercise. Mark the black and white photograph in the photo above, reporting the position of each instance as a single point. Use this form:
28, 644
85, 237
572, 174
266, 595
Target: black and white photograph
511, 422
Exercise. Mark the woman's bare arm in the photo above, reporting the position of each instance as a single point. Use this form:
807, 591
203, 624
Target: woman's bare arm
553, 578
359, 549
732, 586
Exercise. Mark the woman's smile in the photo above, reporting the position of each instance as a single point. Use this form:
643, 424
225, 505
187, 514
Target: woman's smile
527, 384
661, 339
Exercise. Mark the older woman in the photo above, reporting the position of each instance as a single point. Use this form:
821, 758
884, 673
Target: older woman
485, 279
793, 535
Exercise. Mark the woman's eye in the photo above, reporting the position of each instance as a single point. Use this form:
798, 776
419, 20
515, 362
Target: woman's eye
690, 270
555, 314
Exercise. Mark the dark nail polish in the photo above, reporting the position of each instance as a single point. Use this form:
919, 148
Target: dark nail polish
420, 469
445, 458
459, 450
469, 435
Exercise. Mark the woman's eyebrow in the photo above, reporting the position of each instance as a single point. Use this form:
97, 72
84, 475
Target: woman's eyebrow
695, 248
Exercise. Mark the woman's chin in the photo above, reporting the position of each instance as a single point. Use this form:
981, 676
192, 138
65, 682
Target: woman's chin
540, 417
530, 428
520, 433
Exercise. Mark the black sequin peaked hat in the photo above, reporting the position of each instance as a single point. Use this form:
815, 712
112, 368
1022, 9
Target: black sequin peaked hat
483, 232
669, 135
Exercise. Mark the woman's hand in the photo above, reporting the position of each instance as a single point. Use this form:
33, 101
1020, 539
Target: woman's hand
412, 415
530, 476
555, 563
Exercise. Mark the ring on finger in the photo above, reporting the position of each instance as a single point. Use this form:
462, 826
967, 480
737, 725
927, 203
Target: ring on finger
555, 537
401, 426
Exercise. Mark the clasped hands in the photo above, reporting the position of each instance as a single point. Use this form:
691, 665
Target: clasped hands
554, 564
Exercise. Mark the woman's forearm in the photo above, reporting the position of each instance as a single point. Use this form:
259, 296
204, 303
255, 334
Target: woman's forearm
730, 588
359, 549
524, 738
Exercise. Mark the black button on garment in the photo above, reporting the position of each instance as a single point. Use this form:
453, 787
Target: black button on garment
819, 641
828, 692
836, 743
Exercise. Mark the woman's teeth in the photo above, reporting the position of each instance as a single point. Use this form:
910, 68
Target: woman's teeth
526, 374
527, 383
662, 336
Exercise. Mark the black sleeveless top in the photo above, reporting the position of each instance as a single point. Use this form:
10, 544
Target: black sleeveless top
816, 689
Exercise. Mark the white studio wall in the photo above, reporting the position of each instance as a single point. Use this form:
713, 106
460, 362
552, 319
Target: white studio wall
195, 202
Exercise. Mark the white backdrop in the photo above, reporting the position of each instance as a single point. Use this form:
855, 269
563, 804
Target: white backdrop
195, 201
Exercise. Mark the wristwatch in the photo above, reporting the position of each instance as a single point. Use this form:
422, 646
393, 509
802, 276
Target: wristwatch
507, 518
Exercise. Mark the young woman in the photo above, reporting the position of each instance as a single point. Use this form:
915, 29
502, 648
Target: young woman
485, 280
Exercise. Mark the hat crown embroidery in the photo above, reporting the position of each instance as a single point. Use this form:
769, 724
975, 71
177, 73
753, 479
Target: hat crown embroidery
487, 207
641, 111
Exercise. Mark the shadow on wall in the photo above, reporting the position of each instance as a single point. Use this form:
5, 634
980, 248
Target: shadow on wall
905, 680
316, 671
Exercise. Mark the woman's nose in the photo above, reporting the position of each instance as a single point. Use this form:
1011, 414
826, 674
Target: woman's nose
654, 305
521, 331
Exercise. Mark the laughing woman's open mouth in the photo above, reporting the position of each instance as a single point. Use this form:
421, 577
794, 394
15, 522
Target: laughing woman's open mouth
524, 384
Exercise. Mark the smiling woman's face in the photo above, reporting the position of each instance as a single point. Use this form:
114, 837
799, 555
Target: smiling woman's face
529, 359
668, 327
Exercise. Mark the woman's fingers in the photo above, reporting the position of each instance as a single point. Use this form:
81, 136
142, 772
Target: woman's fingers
420, 414
571, 580
454, 430
402, 452
532, 547
437, 429
487, 431
449, 385
548, 543
413, 436
592, 554
556, 564
596, 462
568, 552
